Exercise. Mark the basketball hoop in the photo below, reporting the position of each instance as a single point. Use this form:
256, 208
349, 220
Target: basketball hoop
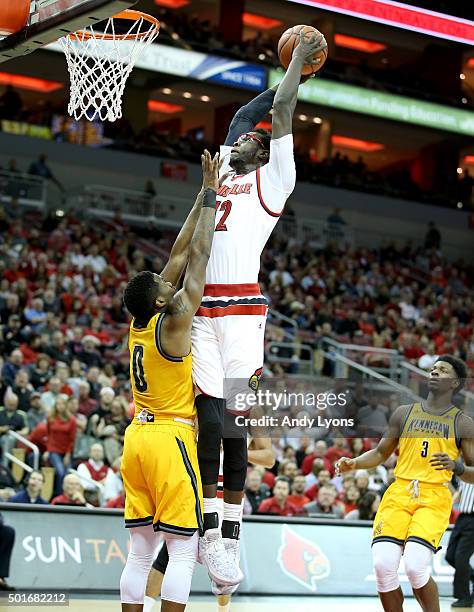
100, 63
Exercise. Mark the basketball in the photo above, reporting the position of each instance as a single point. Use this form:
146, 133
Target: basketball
288, 42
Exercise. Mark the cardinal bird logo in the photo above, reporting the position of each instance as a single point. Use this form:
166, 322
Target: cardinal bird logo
302, 560
254, 380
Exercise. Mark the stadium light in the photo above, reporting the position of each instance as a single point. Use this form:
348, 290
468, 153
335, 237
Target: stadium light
156, 106
21, 81
365, 146
358, 44
175, 4
260, 22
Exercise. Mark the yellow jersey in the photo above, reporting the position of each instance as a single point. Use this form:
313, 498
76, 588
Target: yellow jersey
162, 384
422, 435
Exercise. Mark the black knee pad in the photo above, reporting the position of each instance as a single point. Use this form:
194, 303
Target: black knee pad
235, 463
161, 562
210, 412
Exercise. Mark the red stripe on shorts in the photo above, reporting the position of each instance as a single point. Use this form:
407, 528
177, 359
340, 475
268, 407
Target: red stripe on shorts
237, 290
250, 309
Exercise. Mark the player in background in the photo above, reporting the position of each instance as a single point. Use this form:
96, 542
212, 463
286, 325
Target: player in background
229, 327
260, 452
415, 509
159, 465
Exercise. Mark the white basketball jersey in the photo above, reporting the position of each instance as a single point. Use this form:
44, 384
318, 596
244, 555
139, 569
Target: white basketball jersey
248, 208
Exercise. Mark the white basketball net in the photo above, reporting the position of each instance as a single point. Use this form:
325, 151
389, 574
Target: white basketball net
99, 68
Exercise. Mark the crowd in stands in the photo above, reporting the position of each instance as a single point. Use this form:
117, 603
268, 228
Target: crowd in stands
64, 360
184, 29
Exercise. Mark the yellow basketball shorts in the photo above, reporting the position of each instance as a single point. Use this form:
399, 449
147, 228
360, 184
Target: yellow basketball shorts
161, 477
402, 517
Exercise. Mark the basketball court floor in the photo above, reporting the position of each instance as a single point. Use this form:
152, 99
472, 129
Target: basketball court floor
244, 604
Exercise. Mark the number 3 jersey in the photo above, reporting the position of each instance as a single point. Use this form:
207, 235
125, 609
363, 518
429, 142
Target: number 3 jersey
162, 385
422, 435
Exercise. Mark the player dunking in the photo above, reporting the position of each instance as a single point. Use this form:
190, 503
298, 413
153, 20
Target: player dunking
228, 330
260, 452
415, 510
159, 466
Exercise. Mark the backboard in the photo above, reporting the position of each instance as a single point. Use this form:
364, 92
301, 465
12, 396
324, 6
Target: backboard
52, 19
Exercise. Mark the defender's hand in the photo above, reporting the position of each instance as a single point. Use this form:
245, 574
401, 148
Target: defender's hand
344, 465
442, 461
210, 171
310, 45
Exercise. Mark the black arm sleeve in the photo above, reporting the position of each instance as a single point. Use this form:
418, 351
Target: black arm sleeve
249, 115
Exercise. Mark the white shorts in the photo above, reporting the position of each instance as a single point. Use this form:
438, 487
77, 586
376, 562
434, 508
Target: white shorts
227, 346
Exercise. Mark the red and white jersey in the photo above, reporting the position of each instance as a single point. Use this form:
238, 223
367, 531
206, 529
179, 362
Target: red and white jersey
248, 208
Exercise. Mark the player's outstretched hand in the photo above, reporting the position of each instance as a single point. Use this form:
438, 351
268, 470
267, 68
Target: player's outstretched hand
309, 46
343, 465
210, 171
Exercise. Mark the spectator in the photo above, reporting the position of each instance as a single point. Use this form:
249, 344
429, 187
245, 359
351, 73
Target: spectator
323, 478
325, 506
32, 493
22, 389
58, 349
87, 405
12, 367
72, 494
7, 541
319, 452
373, 418
297, 497
255, 492
289, 470
36, 414
337, 450
89, 354
279, 504
315, 476
117, 502
11, 419
40, 168
13, 334
61, 435
366, 508
35, 315
350, 499
94, 469
97, 418
41, 372
433, 237
50, 397
362, 481
111, 428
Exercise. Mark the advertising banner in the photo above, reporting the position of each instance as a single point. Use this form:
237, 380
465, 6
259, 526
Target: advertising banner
379, 104
401, 15
87, 550
195, 65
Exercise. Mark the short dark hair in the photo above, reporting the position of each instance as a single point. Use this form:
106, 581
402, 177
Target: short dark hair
264, 136
140, 295
282, 479
458, 366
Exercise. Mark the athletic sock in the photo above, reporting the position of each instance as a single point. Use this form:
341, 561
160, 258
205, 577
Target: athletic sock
232, 521
211, 518
224, 608
148, 604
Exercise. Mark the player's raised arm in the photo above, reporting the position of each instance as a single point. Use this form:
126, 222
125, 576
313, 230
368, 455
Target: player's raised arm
186, 301
382, 451
180, 251
247, 117
286, 97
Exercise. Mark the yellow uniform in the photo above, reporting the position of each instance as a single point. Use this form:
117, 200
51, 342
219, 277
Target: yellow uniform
418, 504
159, 464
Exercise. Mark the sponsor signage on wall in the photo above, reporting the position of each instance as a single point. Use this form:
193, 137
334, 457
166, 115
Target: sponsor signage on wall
87, 550
380, 104
401, 15
194, 65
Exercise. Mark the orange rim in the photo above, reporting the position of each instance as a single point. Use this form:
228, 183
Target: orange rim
129, 14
